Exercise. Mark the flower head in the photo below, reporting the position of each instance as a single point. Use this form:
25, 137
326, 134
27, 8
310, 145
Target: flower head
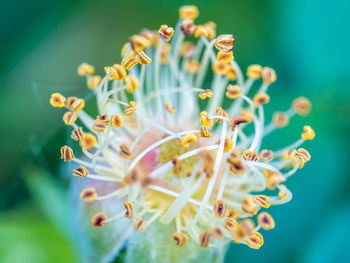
173, 149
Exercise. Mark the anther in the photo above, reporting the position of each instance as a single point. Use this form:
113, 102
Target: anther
129, 62
255, 240
165, 32
225, 43
57, 100
262, 200
303, 155
225, 57
266, 155
70, 101
205, 120
248, 226
231, 73
88, 194
118, 72
187, 49
130, 109
272, 178
81, 171
67, 153
220, 209
69, 118
211, 30
201, 31
125, 151
132, 177
85, 69
88, 141
169, 107
217, 233
233, 91
99, 220
188, 27
235, 156
232, 214
283, 192
124, 49
78, 105
187, 139
204, 238
220, 68
192, 67
308, 134
280, 119
249, 206
142, 58
180, 239
239, 120
99, 125
237, 168
177, 168
261, 98
205, 94
93, 81
268, 75
139, 224
117, 121
205, 132
250, 156
129, 209
302, 106
188, 12
228, 144
254, 71
77, 134
230, 224
266, 221
139, 42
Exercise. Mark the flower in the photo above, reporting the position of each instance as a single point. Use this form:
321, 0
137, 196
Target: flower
175, 151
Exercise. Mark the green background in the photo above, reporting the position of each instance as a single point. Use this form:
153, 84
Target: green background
43, 42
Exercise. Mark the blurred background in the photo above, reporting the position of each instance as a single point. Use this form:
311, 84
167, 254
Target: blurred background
43, 42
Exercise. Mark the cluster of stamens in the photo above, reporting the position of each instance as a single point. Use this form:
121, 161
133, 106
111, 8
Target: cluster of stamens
191, 167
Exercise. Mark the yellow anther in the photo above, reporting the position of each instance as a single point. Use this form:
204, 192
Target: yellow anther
204, 238
142, 58
57, 100
88, 141
192, 67
247, 226
139, 43
118, 72
266, 221
211, 30
78, 105
165, 32
217, 233
235, 156
99, 126
205, 120
232, 214
125, 48
187, 27
255, 240
231, 73
187, 49
233, 91
272, 178
129, 62
302, 106
280, 119
230, 224
283, 192
81, 171
187, 139
302, 155
220, 68
132, 177
262, 200
117, 121
109, 71
228, 144
220, 209
221, 112
125, 151
129, 209
169, 107
77, 134
237, 233
86, 69
130, 109
152, 36
205, 132
250, 156
99, 220
177, 165
70, 101
205, 94
308, 134
268, 75
131, 83
180, 239
69, 118
225, 43
188, 12
254, 71
67, 153
237, 168
235, 121
139, 224
88, 194
249, 207
261, 98
266, 155
201, 31
225, 57
93, 81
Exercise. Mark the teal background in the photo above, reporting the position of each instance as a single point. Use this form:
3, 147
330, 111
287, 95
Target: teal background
43, 42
